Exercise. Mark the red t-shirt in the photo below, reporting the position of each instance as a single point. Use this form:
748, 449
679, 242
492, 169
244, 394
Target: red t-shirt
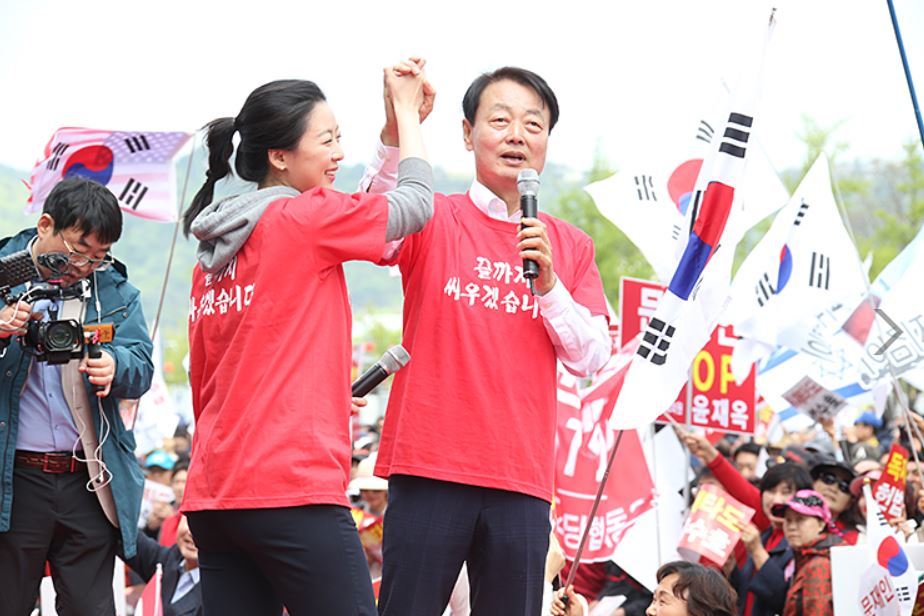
269, 350
476, 403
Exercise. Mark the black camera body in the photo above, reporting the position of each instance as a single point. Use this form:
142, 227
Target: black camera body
56, 342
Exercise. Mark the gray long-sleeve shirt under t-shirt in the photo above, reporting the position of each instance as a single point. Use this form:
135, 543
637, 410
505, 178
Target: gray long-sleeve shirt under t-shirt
224, 226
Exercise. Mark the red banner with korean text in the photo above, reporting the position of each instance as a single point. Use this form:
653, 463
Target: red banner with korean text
718, 402
713, 526
889, 490
583, 446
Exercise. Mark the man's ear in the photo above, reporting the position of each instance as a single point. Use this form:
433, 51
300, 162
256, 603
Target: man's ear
45, 226
467, 134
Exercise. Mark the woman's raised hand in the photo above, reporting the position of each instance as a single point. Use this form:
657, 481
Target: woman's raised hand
406, 88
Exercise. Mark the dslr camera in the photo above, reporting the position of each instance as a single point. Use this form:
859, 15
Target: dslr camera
56, 341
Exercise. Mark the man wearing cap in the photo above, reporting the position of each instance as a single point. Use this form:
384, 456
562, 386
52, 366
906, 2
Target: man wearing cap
158, 467
864, 444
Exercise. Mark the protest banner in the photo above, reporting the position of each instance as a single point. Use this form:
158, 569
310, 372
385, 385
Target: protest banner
714, 525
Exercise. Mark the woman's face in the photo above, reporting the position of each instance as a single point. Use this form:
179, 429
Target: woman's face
664, 602
801, 530
836, 496
315, 160
777, 495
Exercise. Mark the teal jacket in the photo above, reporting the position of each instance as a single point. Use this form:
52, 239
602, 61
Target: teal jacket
131, 347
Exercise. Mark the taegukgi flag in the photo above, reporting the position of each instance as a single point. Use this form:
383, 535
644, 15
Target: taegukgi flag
136, 166
698, 290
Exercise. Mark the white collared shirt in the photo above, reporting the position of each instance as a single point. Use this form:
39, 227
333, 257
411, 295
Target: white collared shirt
187, 581
581, 340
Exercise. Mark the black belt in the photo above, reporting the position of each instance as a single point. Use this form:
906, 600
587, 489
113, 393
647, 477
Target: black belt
51, 462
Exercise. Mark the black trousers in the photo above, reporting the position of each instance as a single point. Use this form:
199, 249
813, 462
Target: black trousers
308, 559
55, 518
432, 527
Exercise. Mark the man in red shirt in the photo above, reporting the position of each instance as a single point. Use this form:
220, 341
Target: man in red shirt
469, 433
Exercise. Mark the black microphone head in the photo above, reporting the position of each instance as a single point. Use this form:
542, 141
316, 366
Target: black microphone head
394, 359
528, 182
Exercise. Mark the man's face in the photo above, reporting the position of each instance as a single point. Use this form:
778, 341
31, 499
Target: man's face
73, 242
863, 431
178, 483
184, 541
746, 463
510, 133
159, 475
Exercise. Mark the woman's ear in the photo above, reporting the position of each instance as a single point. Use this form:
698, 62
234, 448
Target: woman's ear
277, 160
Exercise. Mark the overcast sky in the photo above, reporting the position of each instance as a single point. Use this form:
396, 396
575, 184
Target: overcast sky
628, 76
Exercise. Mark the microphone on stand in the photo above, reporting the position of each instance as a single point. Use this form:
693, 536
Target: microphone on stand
393, 360
528, 187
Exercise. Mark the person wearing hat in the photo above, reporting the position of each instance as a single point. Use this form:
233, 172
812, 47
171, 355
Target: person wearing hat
810, 531
158, 467
831, 479
373, 491
864, 444
761, 582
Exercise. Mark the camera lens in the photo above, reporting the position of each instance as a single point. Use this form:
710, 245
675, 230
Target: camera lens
60, 336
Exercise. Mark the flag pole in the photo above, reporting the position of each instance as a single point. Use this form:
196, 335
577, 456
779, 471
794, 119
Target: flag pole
901, 50
900, 395
654, 467
176, 231
590, 518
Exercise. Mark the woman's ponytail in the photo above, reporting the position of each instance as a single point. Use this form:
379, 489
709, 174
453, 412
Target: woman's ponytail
218, 140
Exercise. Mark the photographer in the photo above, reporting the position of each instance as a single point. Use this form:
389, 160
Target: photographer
64, 452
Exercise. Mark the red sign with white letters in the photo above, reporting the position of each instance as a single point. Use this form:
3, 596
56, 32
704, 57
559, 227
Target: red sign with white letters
718, 402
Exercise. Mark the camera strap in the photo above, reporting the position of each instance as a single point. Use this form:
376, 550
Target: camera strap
75, 392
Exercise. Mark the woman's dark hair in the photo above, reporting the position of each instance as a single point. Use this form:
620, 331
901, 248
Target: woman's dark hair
87, 205
704, 590
525, 78
794, 475
273, 117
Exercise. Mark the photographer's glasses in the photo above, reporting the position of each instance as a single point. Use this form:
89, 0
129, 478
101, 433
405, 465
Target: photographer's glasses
81, 260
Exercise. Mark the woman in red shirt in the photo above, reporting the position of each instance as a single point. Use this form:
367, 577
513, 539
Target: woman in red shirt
269, 333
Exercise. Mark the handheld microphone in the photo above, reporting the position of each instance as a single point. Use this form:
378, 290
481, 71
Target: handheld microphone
393, 360
528, 187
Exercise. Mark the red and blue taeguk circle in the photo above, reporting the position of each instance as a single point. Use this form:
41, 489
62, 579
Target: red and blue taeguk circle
891, 557
682, 181
93, 162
